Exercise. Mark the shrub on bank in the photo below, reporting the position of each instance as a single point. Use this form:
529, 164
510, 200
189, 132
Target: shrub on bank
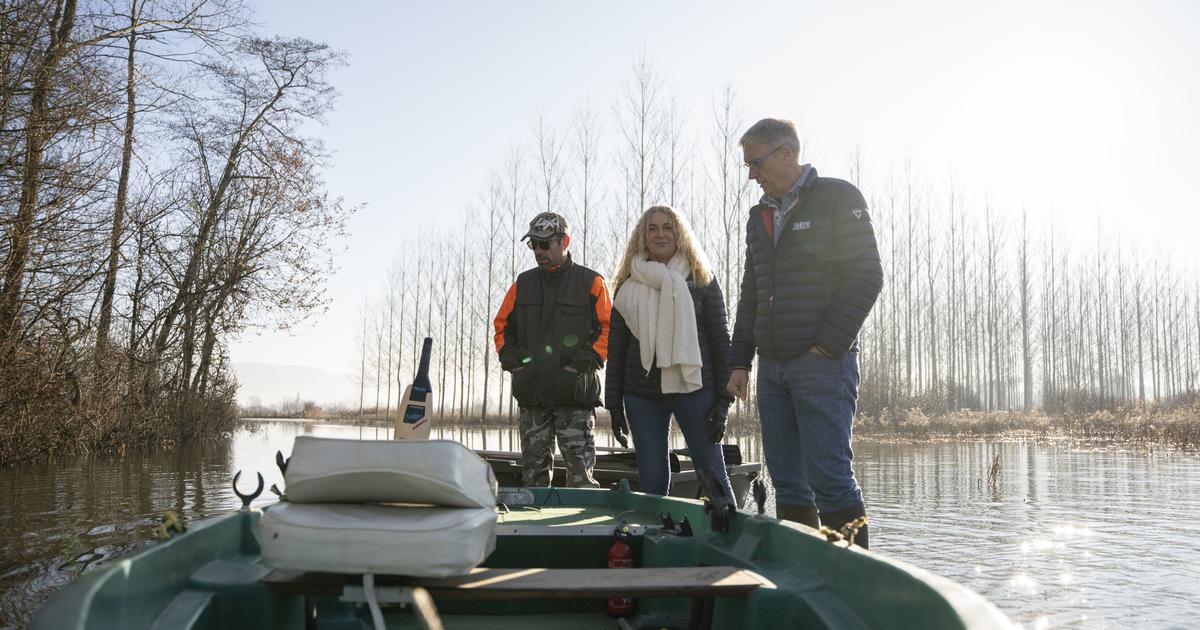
1175, 423
1172, 423
57, 403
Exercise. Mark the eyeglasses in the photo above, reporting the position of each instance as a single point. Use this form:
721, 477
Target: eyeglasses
757, 162
535, 243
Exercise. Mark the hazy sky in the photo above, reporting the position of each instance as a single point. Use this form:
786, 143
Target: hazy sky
1084, 109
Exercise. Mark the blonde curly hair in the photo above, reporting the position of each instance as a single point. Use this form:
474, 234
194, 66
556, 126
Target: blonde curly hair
684, 240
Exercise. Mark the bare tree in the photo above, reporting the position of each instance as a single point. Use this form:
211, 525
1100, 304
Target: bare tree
587, 130
442, 278
397, 299
677, 154
190, 22
730, 184
638, 120
218, 217
548, 151
1024, 287
267, 107
493, 205
462, 316
364, 336
514, 199
41, 125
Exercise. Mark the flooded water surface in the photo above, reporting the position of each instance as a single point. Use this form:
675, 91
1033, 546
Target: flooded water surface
1056, 535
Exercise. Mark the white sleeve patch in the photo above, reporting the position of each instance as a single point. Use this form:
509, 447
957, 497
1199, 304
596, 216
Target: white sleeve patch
860, 214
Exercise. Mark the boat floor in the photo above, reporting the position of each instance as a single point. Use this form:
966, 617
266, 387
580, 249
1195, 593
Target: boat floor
573, 516
576, 621
213, 577
559, 529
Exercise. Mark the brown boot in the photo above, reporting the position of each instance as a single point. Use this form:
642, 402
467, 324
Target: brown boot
838, 519
802, 513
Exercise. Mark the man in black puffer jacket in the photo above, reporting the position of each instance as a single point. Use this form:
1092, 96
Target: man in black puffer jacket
812, 274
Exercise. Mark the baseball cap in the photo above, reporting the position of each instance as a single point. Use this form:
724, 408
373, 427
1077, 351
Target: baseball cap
546, 225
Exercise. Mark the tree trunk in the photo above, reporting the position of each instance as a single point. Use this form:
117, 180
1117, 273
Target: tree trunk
1026, 350
36, 137
208, 223
114, 244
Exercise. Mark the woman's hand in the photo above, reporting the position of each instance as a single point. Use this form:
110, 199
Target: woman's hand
620, 427
718, 419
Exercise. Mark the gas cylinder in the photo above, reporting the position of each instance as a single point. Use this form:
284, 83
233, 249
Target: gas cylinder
620, 556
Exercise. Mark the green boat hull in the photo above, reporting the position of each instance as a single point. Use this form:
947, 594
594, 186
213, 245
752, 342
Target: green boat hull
209, 577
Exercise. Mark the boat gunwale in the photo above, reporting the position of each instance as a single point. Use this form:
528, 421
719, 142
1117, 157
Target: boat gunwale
835, 565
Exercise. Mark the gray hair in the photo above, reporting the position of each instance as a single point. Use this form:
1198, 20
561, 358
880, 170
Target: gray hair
773, 132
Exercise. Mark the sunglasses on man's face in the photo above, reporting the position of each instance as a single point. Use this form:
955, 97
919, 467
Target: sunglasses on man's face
539, 244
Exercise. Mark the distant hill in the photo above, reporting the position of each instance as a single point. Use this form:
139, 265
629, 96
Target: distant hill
271, 384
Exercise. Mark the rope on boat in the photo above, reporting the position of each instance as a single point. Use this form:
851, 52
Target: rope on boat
373, 601
552, 493
419, 598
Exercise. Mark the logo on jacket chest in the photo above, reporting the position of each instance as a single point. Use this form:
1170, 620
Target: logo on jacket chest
801, 225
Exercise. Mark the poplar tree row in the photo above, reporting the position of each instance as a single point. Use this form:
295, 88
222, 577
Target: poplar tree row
983, 308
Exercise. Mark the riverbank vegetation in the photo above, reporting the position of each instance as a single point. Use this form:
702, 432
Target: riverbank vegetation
1174, 423
157, 195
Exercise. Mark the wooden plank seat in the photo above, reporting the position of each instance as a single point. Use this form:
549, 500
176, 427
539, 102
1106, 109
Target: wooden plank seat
702, 584
542, 583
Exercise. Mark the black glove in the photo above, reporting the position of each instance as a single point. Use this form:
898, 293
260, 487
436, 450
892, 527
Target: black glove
584, 362
620, 427
718, 418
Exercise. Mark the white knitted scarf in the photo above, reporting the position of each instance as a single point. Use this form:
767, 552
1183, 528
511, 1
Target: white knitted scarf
658, 307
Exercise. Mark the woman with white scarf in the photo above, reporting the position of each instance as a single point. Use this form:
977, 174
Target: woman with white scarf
668, 350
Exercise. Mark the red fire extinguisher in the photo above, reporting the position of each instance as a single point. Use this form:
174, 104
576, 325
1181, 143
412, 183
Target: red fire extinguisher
620, 556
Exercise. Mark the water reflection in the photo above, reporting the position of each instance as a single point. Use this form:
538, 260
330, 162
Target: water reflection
61, 518
1066, 536
1057, 536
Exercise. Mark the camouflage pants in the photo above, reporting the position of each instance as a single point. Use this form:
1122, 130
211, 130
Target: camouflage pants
574, 427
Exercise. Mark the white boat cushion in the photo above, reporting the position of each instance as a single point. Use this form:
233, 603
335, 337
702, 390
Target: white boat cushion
384, 539
433, 472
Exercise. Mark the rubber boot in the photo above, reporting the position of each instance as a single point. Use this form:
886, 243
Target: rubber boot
838, 519
801, 513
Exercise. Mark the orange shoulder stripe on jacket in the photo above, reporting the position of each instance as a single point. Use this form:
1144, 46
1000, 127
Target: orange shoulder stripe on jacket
603, 315
501, 321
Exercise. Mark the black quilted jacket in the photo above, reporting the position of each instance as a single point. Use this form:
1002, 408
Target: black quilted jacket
625, 375
816, 285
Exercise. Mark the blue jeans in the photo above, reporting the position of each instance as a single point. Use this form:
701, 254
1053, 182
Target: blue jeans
650, 422
806, 405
